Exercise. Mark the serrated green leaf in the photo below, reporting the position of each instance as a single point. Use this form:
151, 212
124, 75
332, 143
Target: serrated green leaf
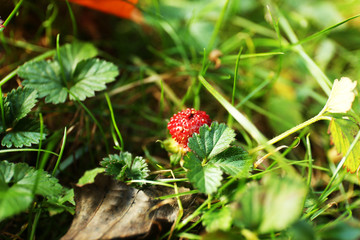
125, 166
343, 133
205, 178
17, 183
114, 163
91, 75
64, 203
72, 54
137, 168
212, 140
45, 77
83, 75
48, 186
25, 133
19, 103
235, 161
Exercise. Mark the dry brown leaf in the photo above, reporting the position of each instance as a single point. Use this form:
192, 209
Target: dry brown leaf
110, 209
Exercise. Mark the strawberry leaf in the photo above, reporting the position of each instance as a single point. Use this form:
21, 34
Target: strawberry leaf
91, 75
343, 133
81, 75
25, 133
124, 166
72, 54
206, 178
212, 140
45, 77
20, 129
235, 161
17, 183
19, 103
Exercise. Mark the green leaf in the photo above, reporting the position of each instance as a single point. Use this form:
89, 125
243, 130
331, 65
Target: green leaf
19, 103
235, 161
114, 163
123, 166
24, 133
14, 200
83, 75
136, 168
72, 54
272, 206
343, 133
91, 75
89, 176
45, 77
205, 178
65, 202
17, 183
212, 140
219, 219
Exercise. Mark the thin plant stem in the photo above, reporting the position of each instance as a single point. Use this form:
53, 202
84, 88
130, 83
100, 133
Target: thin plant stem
339, 166
289, 132
40, 141
35, 223
217, 28
72, 17
63, 77
230, 119
14, 72
114, 122
12, 14
92, 117
318, 74
308, 146
2, 110
60, 153
27, 150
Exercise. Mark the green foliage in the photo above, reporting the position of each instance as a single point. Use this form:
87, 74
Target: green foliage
211, 155
89, 176
234, 161
206, 178
124, 166
18, 103
76, 71
219, 219
19, 183
20, 130
273, 206
343, 133
211, 140
24, 133
342, 231
287, 112
60, 204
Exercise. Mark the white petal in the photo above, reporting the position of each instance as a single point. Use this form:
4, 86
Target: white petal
342, 96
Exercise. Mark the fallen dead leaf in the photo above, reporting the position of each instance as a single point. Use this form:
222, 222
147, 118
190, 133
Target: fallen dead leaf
110, 209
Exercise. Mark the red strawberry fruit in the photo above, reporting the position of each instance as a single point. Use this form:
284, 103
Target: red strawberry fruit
183, 124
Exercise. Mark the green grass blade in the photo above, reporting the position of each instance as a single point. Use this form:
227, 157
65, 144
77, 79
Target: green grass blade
314, 69
239, 117
61, 153
323, 32
114, 122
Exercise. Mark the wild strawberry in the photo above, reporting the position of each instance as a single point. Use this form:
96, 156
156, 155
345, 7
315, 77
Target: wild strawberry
183, 124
